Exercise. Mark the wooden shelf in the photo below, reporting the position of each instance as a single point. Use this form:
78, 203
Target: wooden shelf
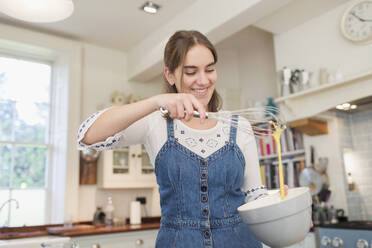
285, 154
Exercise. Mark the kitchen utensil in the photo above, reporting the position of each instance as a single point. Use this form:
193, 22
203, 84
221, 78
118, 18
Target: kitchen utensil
324, 195
322, 164
267, 216
89, 155
88, 166
255, 121
285, 78
341, 215
312, 155
332, 215
295, 84
312, 179
304, 79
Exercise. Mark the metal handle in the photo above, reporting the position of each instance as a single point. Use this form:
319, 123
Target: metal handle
196, 114
139, 155
139, 242
133, 155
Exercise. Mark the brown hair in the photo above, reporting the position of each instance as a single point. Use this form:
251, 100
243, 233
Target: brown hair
174, 55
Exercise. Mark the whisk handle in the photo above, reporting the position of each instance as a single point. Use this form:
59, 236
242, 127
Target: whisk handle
165, 112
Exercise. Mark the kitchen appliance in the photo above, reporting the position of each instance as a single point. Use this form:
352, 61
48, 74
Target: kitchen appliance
347, 234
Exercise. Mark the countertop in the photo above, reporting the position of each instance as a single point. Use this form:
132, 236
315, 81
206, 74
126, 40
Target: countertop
95, 230
360, 225
78, 229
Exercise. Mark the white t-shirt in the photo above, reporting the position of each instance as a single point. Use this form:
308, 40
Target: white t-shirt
151, 131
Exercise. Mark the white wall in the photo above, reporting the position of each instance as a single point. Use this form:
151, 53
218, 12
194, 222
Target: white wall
246, 69
104, 71
319, 43
329, 146
315, 44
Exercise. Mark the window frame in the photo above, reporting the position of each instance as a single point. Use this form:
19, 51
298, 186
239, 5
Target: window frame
66, 56
47, 145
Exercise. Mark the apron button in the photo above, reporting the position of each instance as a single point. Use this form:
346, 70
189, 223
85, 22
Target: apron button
205, 212
207, 234
204, 188
204, 198
204, 175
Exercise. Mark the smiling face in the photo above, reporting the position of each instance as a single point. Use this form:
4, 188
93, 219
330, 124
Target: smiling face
198, 75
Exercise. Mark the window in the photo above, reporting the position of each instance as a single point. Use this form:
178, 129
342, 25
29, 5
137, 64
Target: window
25, 105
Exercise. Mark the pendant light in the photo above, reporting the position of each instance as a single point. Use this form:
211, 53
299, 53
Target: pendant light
42, 11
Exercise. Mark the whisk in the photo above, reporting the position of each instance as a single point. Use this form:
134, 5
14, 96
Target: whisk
262, 121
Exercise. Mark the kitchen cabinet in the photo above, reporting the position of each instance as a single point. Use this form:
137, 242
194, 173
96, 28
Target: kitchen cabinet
135, 239
128, 167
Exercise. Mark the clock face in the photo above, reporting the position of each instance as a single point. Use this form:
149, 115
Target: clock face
356, 23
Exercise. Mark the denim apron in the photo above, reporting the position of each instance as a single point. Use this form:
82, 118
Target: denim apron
199, 196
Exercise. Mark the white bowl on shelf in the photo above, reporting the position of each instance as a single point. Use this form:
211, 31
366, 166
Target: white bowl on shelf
276, 222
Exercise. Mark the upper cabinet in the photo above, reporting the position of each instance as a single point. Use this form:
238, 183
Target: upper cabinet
129, 167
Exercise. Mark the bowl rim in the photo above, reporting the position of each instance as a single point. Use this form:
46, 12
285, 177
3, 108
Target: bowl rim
252, 216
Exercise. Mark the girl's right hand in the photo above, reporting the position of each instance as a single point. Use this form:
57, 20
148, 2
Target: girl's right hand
180, 105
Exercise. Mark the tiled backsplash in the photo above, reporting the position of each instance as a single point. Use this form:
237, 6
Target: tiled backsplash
356, 135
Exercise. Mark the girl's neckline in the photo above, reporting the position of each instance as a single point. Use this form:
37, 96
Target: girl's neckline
216, 126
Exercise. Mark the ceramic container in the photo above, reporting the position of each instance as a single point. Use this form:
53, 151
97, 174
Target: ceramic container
276, 222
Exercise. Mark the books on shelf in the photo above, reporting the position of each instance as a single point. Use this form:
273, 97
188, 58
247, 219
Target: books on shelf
292, 147
290, 140
291, 171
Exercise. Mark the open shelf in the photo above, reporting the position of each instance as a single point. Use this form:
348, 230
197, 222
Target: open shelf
285, 154
324, 87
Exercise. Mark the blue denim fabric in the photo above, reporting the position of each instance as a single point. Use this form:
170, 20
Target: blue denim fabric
199, 196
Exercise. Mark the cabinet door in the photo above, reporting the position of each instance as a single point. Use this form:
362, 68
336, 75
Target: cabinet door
136, 239
128, 167
117, 167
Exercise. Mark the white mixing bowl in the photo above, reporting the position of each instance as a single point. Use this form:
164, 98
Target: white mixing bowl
276, 222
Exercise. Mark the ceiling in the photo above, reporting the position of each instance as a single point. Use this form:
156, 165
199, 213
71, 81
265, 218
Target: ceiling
121, 24
117, 24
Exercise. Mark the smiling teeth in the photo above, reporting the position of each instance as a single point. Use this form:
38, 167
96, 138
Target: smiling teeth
200, 91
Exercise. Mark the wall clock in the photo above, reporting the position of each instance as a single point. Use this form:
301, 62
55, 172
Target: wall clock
356, 23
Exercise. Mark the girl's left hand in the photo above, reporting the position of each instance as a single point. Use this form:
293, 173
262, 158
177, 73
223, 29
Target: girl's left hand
285, 189
286, 193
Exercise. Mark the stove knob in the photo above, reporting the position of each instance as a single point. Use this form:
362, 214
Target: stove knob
337, 242
362, 243
326, 241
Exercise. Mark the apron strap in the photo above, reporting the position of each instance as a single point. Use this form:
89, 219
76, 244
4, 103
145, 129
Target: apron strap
170, 129
233, 129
